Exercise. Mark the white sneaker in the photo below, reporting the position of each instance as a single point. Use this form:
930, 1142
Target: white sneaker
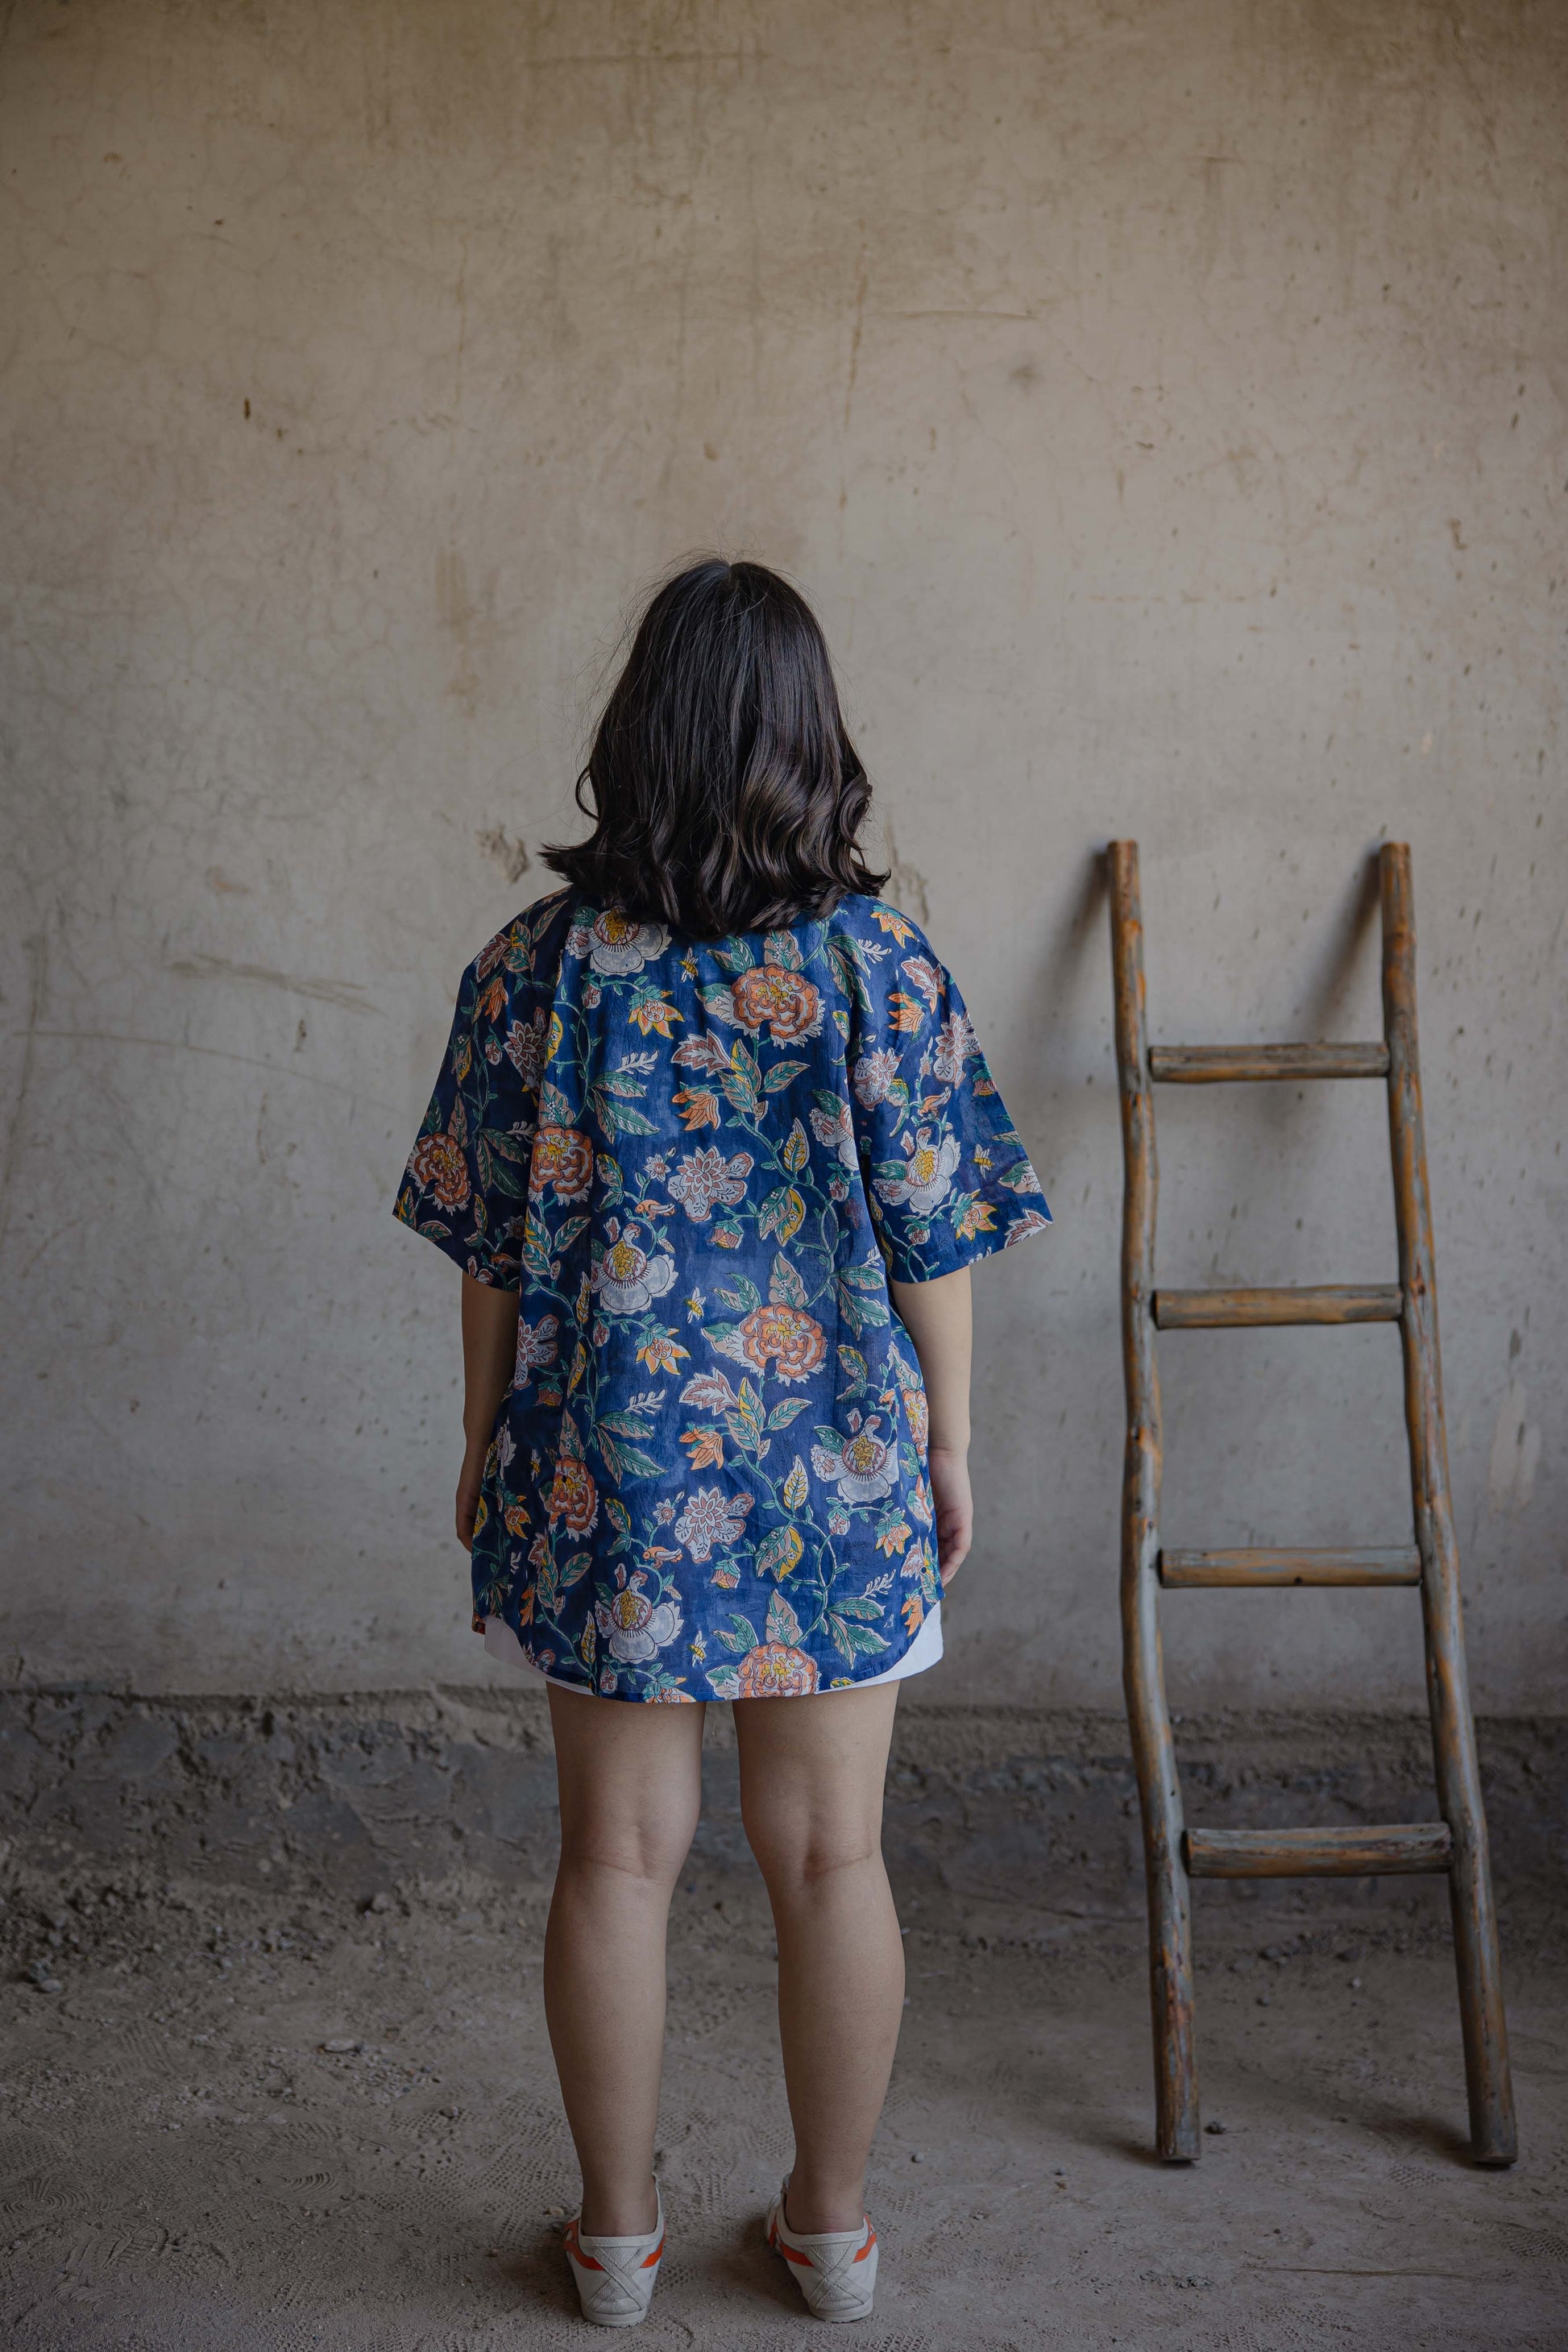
836, 2270
615, 2276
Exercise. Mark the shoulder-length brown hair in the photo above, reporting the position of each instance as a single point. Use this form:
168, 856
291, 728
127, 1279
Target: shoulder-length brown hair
725, 794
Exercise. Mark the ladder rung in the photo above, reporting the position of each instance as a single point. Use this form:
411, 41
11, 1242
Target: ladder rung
1318, 1854
1179, 1569
1178, 1310
1202, 1065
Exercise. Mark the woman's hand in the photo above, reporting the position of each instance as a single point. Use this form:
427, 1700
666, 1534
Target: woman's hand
469, 1479
949, 1470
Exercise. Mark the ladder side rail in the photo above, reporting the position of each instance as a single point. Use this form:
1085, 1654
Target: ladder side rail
1148, 1716
1492, 2127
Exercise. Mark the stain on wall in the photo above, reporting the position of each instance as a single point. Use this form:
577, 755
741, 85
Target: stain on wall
1164, 407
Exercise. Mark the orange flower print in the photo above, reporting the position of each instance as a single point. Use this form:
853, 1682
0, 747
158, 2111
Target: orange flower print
785, 1334
662, 1353
698, 1105
516, 1519
564, 1157
887, 918
492, 998
573, 1496
772, 1670
437, 1165
785, 1003
655, 1013
976, 1216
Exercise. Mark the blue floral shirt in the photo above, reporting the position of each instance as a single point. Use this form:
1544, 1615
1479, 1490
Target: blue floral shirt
699, 1162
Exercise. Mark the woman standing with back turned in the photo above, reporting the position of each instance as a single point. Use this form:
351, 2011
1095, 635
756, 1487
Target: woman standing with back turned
715, 1146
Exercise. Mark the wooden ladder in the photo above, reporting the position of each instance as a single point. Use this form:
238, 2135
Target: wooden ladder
1175, 1854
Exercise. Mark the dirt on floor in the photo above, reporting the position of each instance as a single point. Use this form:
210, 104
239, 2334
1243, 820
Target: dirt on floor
269, 2122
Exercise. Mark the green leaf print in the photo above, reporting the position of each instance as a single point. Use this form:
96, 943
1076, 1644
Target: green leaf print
784, 1625
782, 949
779, 1554
741, 1080
786, 1287
852, 1641
624, 1461
782, 1074
746, 1422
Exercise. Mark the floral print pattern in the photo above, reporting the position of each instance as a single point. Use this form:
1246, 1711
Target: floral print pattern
699, 1163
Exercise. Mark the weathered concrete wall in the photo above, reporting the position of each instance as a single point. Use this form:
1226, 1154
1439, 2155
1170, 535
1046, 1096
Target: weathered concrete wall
1165, 405
995, 1804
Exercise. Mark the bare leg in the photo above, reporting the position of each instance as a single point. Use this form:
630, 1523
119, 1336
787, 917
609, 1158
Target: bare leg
631, 1784
812, 1771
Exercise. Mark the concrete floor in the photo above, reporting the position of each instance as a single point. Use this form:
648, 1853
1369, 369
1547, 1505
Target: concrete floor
251, 2122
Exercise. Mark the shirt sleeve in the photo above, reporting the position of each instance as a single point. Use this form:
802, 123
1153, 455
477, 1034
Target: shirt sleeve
465, 1184
947, 1174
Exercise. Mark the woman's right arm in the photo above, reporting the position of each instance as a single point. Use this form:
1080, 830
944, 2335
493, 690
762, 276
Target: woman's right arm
938, 1316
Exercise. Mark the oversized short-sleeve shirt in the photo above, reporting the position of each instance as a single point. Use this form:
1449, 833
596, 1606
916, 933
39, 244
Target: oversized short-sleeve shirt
699, 1162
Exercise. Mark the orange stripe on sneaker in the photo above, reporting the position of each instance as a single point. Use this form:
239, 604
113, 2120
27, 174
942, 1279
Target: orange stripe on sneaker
870, 2241
648, 2260
574, 2247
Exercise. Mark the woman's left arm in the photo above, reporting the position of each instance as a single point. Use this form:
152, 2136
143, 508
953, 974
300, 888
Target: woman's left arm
490, 1360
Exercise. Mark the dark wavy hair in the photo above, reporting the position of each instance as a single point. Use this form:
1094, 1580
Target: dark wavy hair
725, 794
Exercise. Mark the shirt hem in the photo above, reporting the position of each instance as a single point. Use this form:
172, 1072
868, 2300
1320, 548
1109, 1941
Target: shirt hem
924, 1652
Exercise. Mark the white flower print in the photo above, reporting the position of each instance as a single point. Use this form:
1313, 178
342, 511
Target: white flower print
615, 945
706, 1179
928, 1179
535, 1346
628, 1278
711, 1517
956, 1041
863, 1467
525, 1047
834, 1130
632, 1627
874, 1074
